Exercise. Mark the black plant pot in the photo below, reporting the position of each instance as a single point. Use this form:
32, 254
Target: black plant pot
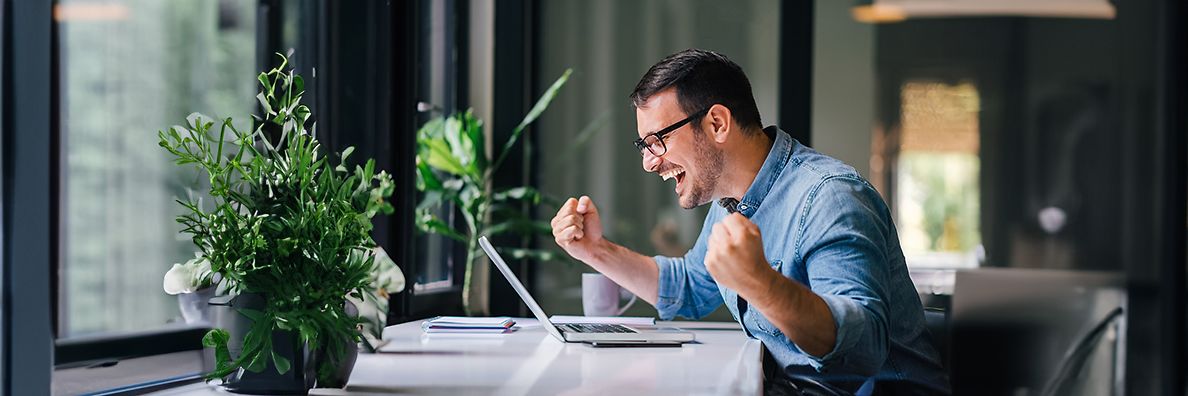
301, 375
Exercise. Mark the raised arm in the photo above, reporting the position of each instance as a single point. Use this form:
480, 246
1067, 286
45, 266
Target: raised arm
577, 229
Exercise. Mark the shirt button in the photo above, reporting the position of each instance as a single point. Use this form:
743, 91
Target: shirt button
742, 206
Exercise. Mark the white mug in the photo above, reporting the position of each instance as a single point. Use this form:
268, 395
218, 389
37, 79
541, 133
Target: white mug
600, 296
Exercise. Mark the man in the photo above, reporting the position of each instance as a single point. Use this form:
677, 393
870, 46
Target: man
800, 248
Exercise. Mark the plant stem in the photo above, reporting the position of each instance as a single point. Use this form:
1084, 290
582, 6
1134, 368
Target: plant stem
468, 277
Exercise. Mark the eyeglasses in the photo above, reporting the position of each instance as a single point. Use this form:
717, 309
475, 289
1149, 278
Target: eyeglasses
654, 142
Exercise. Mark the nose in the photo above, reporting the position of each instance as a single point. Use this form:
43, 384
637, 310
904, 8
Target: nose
650, 162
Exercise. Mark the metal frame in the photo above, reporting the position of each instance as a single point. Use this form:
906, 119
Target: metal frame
407, 44
516, 64
29, 167
796, 70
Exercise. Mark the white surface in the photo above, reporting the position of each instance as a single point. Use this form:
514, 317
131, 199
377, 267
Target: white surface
723, 361
529, 362
624, 320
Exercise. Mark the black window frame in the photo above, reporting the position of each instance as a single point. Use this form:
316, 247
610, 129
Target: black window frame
416, 19
27, 166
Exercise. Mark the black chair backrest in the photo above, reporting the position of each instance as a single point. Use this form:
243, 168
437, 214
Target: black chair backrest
937, 322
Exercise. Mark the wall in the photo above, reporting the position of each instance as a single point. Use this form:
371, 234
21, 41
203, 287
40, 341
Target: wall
843, 85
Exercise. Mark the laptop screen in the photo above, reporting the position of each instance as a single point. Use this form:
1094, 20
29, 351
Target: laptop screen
515, 282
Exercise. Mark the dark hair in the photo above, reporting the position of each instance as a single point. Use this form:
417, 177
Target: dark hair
702, 78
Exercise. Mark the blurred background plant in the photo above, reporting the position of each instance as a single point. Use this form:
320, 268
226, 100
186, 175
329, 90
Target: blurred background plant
455, 173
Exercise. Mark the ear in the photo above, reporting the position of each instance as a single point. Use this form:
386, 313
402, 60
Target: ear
721, 122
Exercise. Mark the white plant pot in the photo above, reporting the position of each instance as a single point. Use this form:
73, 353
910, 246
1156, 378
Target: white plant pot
194, 307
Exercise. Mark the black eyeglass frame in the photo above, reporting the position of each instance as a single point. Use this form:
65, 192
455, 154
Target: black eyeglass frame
641, 143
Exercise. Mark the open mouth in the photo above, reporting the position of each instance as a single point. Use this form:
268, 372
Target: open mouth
678, 174
675, 173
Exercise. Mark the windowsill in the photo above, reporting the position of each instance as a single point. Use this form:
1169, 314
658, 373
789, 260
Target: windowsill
105, 376
933, 281
941, 260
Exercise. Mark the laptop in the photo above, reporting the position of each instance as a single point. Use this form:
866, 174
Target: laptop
596, 334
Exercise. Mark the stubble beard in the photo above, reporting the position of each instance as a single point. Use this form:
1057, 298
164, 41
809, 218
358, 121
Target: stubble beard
710, 170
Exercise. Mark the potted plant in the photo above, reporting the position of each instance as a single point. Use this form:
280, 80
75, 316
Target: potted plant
194, 284
453, 167
288, 228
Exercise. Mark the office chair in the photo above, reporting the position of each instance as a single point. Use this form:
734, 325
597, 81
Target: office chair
936, 320
1078, 355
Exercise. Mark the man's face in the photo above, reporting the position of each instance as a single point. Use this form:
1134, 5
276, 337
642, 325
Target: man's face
692, 159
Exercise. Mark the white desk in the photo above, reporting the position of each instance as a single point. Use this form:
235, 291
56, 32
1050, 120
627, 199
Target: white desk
531, 362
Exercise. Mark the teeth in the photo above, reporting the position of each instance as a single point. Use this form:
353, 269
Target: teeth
671, 174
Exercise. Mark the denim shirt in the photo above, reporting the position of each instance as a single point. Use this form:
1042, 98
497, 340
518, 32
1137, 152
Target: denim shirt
827, 228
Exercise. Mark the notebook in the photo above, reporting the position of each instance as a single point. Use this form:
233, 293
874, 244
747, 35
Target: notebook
463, 324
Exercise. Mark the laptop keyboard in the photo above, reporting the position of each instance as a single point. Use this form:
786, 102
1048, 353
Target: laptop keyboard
597, 328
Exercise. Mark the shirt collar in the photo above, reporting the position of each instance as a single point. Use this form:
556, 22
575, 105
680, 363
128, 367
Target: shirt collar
781, 150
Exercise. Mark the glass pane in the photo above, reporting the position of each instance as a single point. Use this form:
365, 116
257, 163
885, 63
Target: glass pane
936, 193
130, 68
437, 77
590, 125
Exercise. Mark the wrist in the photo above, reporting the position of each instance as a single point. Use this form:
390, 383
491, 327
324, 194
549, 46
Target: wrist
768, 287
601, 252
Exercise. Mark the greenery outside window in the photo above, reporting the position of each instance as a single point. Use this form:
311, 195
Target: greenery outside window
936, 202
126, 68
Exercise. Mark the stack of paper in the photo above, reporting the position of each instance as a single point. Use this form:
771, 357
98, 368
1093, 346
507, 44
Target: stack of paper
462, 324
623, 320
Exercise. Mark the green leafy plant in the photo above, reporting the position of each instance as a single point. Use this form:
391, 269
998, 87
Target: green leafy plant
286, 223
453, 168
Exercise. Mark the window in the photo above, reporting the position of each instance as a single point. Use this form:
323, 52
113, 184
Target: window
127, 70
438, 95
430, 65
936, 176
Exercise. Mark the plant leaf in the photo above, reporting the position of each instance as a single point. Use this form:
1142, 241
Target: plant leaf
282, 364
460, 150
254, 315
426, 180
537, 109
264, 104
431, 224
525, 193
438, 156
215, 337
476, 140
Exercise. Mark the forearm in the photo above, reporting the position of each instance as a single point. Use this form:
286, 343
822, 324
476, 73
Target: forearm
634, 271
798, 312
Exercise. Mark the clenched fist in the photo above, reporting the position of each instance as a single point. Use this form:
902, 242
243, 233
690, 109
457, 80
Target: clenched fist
577, 228
735, 256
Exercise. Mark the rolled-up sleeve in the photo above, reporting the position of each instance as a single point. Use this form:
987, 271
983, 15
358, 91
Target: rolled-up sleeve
685, 287
847, 267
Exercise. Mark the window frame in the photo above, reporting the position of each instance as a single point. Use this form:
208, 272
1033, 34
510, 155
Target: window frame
440, 298
319, 40
28, 166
